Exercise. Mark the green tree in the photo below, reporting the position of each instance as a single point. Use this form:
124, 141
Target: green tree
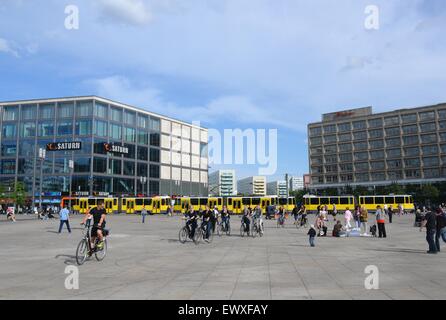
428, 194
395, 188
19, 194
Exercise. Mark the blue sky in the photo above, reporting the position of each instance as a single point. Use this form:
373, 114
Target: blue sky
230, 63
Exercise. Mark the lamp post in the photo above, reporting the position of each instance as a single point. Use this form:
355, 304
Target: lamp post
143, 181
70, 167
42, 155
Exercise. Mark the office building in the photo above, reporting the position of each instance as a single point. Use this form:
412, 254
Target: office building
358, 147
296, 183
252, 186
112, 146
277, 188
223, 183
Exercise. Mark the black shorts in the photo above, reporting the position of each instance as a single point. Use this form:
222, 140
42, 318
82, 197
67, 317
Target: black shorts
94, 230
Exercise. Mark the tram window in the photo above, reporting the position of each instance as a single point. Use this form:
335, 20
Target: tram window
283, 201
194, 201
368, 200
343, 200
324, 200
163, 202
230, 202
139, 202
219, 201
334, 200
91, 202
389, 200
255, 201
399, 200
147, 202
379, 200
246, 201
203, 201
314, 201
124, 202
115, 202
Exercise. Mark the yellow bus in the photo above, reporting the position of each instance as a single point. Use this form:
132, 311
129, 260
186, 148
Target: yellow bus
371, 202
342, 202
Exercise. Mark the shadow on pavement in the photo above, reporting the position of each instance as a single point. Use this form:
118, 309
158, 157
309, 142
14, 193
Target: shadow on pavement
399, 250
70, 259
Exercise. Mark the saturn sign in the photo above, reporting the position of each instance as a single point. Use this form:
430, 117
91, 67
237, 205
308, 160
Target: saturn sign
64, 146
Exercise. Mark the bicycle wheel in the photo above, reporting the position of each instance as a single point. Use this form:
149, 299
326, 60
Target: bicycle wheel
211, 236
261, 230
198, 235
100, 253
82, 252
228, 229
242, 231
182, 236
219, 229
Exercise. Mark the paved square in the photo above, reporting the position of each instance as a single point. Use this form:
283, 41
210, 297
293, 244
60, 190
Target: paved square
146, 261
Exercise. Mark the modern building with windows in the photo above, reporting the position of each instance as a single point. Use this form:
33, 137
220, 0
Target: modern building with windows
296, 183
358, 147
223, 183
252, 186
277, 188
119, 144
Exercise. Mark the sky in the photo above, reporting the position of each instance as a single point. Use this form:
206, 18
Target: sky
248, 64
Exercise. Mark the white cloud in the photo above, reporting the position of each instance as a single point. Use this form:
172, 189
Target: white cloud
6, 47
133, 12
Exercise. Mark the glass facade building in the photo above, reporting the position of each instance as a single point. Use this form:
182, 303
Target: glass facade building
170, 154
357, 147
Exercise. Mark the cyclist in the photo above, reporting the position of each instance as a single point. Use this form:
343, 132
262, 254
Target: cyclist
206, 223
295, 213
225, 217
257, 217
245, 218
214, 217
281, 214
303, 215
191, 222
97, 214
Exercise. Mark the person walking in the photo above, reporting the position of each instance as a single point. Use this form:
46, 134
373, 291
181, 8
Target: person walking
390, 213
64, 216
363, 218
430, 222
348, 217
143, 214
441, 225
356, 215
312, 234
381, 222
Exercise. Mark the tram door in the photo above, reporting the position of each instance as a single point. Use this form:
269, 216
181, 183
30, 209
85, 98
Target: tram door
83, 205
108, 203
237, 205
130, 205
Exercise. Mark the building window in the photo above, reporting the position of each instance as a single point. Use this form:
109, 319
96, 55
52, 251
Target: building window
154, 187
392, 132
129, 134
129, 117
377, 165
378, 176
443, 148
413, 151
376, 155
46, 129
411, 174
65, 128
331, 149
154, 155
378, 133
377, 144
26, 148
100, 165
361, 156
155, 139
100, 110
142, 170
11, 113
431, 173
129, 168
362, 177
28, 129
330, 129
9, 149
84, 109
346, 167
361, 166
143, 137
65, 110
393, 142
431, 161
29, 112
428, 127
345, 147
442, 114
330, 139
389, 121
430, 115
361, 135
375, 123
316, 141
410, 140
154, 171
331, 159
412, 163
409, 118
392, 153
429, 138
82, 164
345, 157
9, 130
114, 166
360, 145
132, 151
115, 131
154, 124
359, 125
46, 111
142, 153
83, 127
394, 164
344, 137
410, 129
61, 165
8, 167
143, 121
429, 150
317, 131
116, 114
100, 128
344, 127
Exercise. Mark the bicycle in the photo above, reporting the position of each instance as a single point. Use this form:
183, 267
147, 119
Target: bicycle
200, 234
226, 227
244, 229
185, 233
302, 222
257, 228
281, 221
84, 250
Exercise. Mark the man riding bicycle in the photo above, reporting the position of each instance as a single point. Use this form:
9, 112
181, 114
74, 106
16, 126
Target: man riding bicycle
191, 222
303, 215
206, 223
257, 217
225, 217
96, 214
245, 218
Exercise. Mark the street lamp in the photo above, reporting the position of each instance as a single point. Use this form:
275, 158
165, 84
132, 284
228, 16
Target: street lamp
71, 167
42, 155
143, 181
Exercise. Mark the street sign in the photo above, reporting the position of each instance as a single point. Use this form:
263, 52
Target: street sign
64, 146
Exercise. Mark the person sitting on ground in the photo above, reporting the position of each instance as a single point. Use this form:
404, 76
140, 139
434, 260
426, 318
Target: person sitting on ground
10, 215
337, 229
